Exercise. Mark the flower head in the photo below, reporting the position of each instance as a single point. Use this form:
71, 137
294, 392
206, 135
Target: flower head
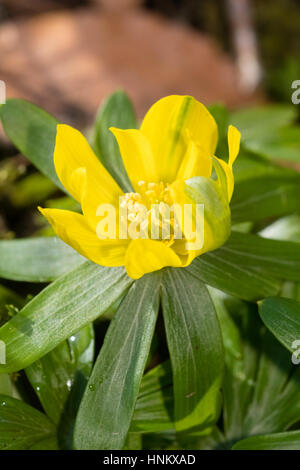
171, 165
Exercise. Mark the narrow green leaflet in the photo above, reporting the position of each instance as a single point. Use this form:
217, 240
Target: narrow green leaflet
230, 276
108, 404
36, 259
60, 310
282, 317
154, 408
196, 349
53, 376
281, 441
264, 197
22, 426
33, 131
118, 112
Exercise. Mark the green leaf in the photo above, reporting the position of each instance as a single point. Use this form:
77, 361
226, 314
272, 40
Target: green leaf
250, 166
33, 189
53, 376
281, 441
230, 332
6, 387
256, 123
59, 311
230, 276
281, 145
48, 444
259, 198
196, 349
221, 115
108, 404
37, 259
22, 426
274, 258
261, 387
286, 228
154, 408
117, 111
282, 317
240, 372
275, 403
33, 132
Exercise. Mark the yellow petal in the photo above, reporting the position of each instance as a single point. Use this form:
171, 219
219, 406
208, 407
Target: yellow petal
169, 124
137, 155
145, 255
74, 230
229, 177
72, 152
234, 138
196, 162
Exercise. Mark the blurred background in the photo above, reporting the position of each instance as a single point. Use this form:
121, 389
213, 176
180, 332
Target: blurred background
66, 56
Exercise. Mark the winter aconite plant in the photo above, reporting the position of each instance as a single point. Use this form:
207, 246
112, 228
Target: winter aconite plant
189, 286
169, 161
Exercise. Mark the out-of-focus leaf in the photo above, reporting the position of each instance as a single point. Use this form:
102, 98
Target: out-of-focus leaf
8, 297
33, 189
22, 426
287, 228
251, 166
108, 404
283, 144
282, 317
281, 441
6, 387
154, 408
33, 132
52, 376
117, 111
221, 115
37, 259
196, 350
260, 198
255, 123
59, 311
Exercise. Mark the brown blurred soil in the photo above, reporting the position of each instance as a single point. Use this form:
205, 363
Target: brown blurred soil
68, 61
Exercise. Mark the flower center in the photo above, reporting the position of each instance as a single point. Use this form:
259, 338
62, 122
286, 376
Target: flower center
149, 210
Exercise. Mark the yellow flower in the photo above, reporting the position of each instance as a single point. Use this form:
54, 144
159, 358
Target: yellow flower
169, 160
